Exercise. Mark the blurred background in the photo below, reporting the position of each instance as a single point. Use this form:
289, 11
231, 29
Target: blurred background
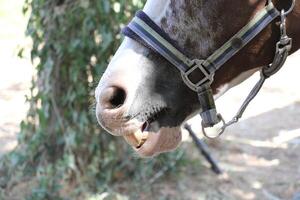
53, 53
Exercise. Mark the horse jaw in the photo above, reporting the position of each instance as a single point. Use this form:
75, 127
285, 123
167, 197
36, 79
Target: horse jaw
236, 81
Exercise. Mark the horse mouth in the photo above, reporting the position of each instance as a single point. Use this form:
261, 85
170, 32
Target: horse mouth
137, 139
141, 135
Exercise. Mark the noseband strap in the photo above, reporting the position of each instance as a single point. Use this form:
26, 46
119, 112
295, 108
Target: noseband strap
147, 32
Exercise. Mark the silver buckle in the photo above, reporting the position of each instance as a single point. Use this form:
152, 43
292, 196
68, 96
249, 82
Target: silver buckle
208, 77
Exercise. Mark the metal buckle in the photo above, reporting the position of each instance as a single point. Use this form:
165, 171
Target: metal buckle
208, 76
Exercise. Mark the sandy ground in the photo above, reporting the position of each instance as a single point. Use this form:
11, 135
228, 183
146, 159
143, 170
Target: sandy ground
260, 154
15, 73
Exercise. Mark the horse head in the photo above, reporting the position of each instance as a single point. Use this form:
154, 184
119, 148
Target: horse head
142, 97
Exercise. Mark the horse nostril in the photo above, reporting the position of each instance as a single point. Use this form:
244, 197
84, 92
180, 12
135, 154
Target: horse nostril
118, 97
113, 97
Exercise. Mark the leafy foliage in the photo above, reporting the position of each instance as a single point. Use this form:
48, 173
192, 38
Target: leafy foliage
60, 142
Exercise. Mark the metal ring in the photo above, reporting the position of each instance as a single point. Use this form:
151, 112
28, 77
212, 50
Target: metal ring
221, 131
290, 9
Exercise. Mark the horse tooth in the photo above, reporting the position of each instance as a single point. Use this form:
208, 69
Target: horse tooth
136, 139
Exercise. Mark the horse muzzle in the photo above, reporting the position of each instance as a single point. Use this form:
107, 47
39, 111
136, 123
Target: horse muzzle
111, 112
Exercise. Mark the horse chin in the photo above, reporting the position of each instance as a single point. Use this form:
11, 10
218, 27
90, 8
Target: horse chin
165, 140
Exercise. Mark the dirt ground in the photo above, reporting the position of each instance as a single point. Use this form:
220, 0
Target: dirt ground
260, 155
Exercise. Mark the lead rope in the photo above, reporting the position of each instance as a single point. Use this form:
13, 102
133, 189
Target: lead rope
283, 47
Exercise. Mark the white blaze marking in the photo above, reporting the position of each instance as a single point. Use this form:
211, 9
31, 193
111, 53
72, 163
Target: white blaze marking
156, 9
124, 68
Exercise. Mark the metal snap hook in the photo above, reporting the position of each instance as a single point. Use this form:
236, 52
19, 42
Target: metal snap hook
220, 131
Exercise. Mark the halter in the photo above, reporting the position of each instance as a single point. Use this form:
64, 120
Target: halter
145, 31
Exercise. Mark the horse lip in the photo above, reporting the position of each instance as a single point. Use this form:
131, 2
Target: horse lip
165, 140
140, 136
137, 139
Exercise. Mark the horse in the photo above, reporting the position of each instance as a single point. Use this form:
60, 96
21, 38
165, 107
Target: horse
142, 97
